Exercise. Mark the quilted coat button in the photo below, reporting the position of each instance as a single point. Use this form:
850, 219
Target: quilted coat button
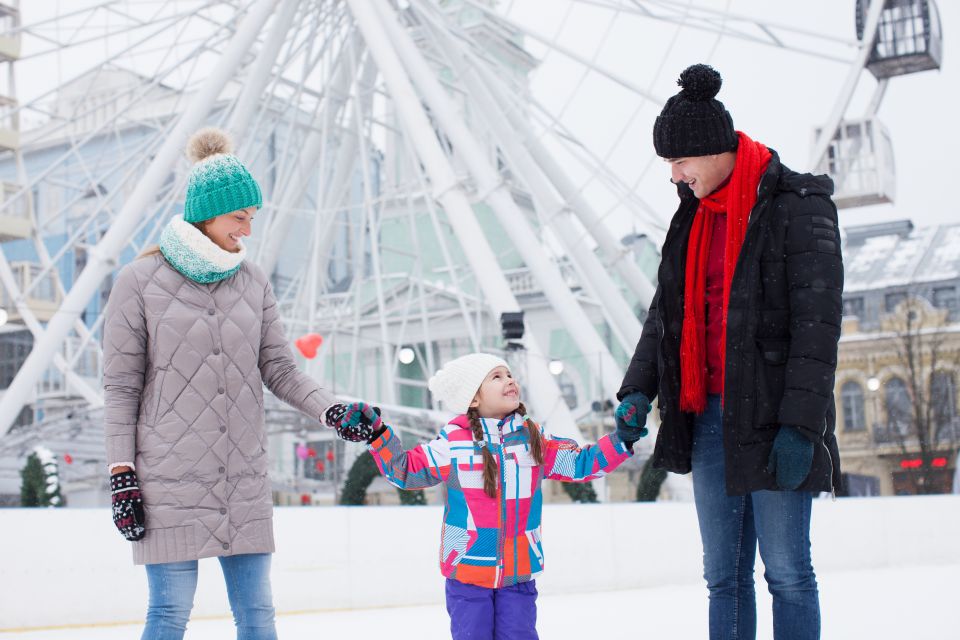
223, 429
220, 390
216, 351
222, 469
210, 312
223, 510
226, 545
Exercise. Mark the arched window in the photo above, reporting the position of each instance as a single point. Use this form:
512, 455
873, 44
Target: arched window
851, 398
899, 407
943, 401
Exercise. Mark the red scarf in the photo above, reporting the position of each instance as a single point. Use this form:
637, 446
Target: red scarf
737, 198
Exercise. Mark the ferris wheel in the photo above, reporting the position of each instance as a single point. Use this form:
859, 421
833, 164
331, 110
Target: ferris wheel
427, 173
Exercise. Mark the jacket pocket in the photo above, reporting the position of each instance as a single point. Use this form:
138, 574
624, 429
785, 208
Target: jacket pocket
535, 543
772, 355
156, 391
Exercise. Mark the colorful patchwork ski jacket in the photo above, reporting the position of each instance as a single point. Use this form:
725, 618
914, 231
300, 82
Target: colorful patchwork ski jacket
492, 542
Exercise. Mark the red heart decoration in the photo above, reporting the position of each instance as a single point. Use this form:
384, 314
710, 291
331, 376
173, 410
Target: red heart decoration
330, 456
321, 466
68, 458
308, 344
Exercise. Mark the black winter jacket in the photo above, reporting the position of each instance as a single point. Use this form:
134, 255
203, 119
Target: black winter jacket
783, 326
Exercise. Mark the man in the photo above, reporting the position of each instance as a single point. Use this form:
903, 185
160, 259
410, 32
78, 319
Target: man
740, 346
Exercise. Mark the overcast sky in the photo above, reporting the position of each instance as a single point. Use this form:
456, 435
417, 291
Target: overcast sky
776, 96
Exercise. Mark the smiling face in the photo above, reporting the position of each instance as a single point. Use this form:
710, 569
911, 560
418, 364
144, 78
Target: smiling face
703, 174
226, 230
498, 396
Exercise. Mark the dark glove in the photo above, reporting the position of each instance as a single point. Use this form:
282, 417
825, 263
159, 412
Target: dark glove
127, 505
360, 423
790, 458
334, 415
631, 417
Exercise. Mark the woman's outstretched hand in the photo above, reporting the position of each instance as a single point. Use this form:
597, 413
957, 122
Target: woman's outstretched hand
360, 423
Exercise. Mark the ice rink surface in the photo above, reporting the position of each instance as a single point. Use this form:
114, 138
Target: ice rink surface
915, 602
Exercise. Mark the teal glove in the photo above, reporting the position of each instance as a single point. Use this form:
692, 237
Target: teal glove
791, 458
631, 416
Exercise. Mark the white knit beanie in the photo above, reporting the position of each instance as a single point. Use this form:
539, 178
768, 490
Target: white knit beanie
457, 382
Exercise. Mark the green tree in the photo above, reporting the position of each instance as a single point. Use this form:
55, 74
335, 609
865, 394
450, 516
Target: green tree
40, 483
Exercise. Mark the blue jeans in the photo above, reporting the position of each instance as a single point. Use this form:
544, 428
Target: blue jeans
731, 527
479, 613
173, 584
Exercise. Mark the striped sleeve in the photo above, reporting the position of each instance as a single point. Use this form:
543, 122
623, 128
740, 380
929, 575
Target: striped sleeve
423, 466
567, 461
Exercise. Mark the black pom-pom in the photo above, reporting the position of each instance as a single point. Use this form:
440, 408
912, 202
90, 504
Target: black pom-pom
700, 82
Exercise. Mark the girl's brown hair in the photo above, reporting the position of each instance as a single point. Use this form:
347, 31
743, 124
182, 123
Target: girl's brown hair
489, 463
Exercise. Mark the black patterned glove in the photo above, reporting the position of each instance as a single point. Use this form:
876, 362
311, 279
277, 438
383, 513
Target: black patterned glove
128, 513
361, 423
334, 415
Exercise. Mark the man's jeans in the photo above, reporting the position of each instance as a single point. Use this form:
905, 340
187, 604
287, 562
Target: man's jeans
173, 584
730, 528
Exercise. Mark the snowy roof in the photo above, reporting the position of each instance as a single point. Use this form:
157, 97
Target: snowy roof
891, 259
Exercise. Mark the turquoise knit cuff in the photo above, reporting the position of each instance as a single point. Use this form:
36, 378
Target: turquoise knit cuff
212, 203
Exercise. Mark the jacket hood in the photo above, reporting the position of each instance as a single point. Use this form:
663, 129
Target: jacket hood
805, 184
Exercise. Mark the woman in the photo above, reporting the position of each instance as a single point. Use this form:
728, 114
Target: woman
191, 336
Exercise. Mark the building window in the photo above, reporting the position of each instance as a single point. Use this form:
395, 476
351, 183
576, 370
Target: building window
943, 400
851, 395
891, 300
322, 461
14, 349
899, 407
860, 485
853, 307
945, 297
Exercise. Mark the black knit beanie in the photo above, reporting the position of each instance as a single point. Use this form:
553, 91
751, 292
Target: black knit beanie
693, 122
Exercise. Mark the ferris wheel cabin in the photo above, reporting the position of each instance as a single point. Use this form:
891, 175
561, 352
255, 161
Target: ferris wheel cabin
909, 37
859, 157
860, 161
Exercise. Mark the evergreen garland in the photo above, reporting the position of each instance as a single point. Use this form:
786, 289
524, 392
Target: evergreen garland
361, 474
650, 482
413, 498
581, 492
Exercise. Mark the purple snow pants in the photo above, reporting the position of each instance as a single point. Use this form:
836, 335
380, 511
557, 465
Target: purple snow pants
479, 613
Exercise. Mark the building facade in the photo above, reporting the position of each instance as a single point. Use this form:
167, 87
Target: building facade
896, 384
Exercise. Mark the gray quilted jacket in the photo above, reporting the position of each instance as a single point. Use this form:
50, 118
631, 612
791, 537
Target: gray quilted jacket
184, 369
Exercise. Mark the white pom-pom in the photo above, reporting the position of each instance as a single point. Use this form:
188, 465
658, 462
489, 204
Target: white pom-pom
208, 142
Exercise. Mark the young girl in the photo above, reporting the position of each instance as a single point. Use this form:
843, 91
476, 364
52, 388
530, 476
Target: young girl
492, 458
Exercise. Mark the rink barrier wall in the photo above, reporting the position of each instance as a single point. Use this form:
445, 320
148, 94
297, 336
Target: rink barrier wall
70, 566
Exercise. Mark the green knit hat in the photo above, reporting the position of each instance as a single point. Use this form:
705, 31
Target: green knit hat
219, 183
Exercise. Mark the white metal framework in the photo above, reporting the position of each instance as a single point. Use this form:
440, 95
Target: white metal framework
415, 187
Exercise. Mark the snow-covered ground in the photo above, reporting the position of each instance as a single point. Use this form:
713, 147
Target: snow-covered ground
883, 604
888, 568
